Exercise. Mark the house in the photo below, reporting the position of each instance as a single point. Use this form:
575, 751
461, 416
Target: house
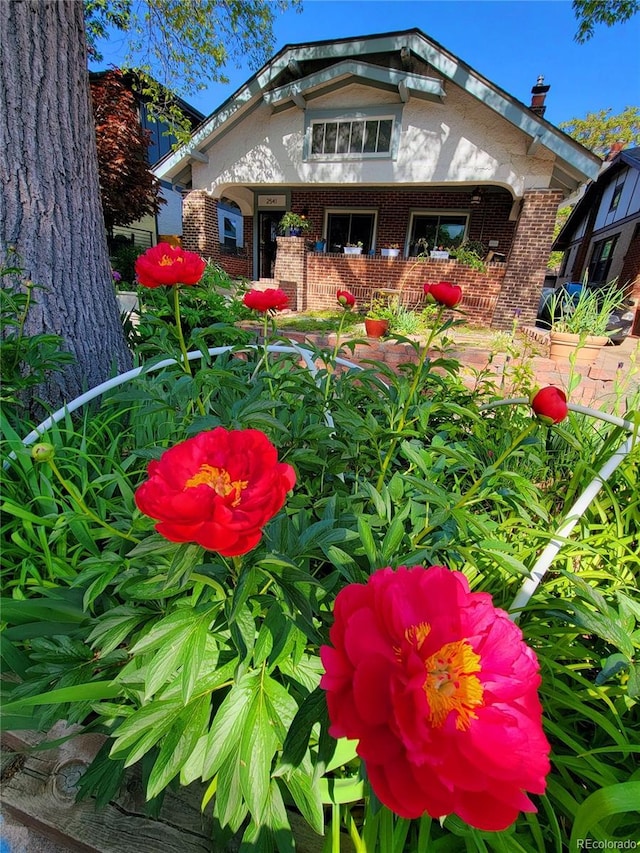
601, 237
167, 224
380, 140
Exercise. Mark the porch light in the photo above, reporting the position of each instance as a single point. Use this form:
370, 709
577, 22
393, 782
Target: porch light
476, 196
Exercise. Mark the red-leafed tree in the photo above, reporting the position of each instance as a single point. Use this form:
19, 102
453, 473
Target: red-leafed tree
128, 189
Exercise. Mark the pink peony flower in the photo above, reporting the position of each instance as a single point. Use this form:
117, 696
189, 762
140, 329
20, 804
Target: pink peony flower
167, 265
440, 690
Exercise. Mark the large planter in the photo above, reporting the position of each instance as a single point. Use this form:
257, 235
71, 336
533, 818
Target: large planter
376, 328
565, 345
352, 250
389, 253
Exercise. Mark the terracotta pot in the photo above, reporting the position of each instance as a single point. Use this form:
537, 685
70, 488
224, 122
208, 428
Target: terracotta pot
376, 328
563, 345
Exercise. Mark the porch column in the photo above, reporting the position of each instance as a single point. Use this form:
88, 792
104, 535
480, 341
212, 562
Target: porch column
200, 223
527, 263
290, 272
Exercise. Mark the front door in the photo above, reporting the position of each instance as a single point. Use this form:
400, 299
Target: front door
268, 229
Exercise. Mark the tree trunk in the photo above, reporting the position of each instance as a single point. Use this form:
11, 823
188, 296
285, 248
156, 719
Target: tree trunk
50, 211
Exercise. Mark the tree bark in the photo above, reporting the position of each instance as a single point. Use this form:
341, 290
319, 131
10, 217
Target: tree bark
50, 211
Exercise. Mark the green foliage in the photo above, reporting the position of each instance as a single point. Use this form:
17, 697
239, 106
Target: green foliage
471, 254
608, 12
186, 44
598, 131
589, 313
207, 668
26, 360
123, 259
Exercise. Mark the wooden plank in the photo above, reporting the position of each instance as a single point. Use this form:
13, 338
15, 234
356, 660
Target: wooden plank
41, 795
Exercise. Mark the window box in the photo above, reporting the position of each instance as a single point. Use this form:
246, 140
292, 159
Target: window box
352, 250
389, 253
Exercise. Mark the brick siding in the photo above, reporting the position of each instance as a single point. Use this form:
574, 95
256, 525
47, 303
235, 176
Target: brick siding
630, 273
200, 234
524, 279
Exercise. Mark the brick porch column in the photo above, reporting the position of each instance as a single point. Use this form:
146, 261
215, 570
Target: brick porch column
200, 223
290, 271
528, 258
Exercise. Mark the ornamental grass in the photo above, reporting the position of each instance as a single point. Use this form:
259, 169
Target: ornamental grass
291, 588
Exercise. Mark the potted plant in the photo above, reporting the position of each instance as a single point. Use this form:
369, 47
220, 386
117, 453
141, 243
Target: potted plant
320, 244
352, 248
579, 321
378, 318
391, 251
293, 224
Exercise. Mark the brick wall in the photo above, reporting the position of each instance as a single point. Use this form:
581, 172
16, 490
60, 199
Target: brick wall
200, 234
524, 278
487, 221
325, 273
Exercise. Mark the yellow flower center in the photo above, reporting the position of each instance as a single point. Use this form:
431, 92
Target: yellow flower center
219, 480
451, 684
166, 261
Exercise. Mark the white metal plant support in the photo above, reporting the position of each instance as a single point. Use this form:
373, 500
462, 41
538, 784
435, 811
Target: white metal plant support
558, 539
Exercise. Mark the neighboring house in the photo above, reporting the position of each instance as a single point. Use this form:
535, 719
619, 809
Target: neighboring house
601, 238
167, 224
384, 139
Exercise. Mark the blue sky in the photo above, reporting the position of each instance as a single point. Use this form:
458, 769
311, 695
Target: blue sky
510, 42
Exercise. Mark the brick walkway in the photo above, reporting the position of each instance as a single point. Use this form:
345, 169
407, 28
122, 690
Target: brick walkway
608, 384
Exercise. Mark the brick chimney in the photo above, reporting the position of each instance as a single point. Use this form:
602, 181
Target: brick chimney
538, 94
616, 148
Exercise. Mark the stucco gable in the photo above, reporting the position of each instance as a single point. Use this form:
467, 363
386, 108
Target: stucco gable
408, 61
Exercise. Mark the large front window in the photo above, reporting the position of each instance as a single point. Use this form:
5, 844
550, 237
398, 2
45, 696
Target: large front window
432, 231
346, 227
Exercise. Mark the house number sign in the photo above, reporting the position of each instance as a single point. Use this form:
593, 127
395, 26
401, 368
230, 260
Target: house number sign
272, 201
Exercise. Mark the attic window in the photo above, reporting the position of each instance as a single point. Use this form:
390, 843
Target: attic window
369, 132
358, 137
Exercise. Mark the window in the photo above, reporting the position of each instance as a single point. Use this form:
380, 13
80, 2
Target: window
230, 225
431, 231
359, 133
346, 137
615, 199
601, 258
350, 226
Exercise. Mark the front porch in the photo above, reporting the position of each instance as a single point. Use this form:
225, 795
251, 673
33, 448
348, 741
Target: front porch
311, 279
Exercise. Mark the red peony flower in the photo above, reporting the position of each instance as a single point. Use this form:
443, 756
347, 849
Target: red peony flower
441, 691
166, 264
218, 489
550, 404
345, 298
443, 292
271, 299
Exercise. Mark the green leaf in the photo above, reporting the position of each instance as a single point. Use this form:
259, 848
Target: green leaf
306, 794
228, 724
366, 538
312, 710
275, 833
179, 744
613, 799
257, 747
92, 691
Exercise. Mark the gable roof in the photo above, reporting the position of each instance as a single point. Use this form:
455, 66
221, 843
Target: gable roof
593, 192
407, 61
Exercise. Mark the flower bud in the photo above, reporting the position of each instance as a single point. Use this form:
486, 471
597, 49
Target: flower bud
43, 452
